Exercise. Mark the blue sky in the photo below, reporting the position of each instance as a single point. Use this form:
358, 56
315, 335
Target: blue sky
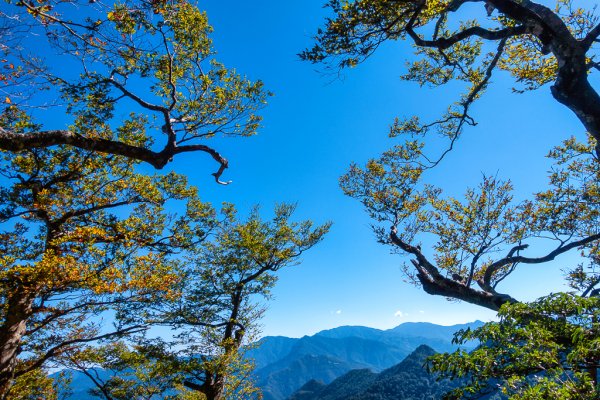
315, 125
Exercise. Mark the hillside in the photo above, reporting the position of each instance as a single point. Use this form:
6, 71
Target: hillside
407, 380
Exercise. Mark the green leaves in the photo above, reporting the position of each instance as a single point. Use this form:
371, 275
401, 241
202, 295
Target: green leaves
545, 349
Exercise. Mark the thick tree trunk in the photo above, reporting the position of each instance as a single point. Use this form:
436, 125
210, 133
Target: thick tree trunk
214, 391
212, 388
573, 89
11, 336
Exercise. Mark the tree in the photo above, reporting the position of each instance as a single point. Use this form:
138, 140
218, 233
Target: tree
470, 233
82, 234
152, 57
215, 316
219, 311
456, 40
537, 46
544, 350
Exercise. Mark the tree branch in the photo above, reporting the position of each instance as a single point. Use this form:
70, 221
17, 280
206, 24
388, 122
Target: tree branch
510, 259
591, 37
52, 351
11, 141
444, 43
435, 283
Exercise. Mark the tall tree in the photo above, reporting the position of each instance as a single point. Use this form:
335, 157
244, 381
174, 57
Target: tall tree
231, 271
480, 240
82, 233
453, 42
216, 315
151, 58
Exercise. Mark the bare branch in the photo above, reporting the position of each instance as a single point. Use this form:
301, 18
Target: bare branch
11, 141
511, 259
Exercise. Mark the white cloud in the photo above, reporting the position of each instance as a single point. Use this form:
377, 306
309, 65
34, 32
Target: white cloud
338, 312
399, 314
421, 312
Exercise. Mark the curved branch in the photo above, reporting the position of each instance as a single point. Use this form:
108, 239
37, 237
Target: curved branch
510, 259
18, 142
435, 283
446, 42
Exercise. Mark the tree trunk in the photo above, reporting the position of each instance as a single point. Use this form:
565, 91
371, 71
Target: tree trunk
214, 390
573, 89
11, 335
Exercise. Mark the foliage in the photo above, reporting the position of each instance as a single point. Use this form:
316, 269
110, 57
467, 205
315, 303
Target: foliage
468, 41
82, 234
470, 233
214, 317
458, 41
152, 59
547, 349
218, 312
121, 372
37, 385
85, 238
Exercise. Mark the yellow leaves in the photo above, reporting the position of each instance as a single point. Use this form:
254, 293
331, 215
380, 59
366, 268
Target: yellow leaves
149, 274
376, 169
125, 20
524, 61
433, 9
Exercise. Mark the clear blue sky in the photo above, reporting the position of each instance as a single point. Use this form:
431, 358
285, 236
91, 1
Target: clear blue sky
316, 125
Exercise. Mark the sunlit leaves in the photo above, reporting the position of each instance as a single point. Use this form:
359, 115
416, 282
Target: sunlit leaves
154, 60
468, 234
82, 234
525, 62
228, 268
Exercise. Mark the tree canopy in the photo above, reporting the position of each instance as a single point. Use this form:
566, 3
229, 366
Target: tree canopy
468, 41
90, 91
83, 233
152, 58
455, 42
547, 349
213, 318
473, 244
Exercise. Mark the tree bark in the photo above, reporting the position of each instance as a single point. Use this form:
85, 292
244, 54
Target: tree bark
11, 335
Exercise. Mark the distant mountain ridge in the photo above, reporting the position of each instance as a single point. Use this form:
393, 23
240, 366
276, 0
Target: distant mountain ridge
331, 353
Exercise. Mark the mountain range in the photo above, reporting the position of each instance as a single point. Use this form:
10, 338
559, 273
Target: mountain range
284, 365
